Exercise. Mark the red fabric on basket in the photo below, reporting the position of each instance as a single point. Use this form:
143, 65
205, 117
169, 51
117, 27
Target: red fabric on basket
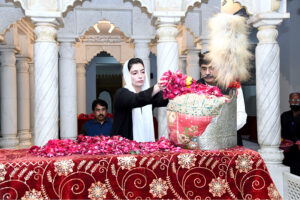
225, 174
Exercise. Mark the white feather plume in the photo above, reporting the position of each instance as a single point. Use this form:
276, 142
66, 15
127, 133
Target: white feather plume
229, 48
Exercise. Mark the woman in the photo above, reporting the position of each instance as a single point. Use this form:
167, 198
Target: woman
133, 104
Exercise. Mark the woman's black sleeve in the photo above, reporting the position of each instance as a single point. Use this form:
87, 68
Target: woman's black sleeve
159, 101
128, 99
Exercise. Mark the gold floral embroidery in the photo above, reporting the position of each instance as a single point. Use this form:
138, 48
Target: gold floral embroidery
158, 188
64, 167
33, 195
243, 163
186, 160
97, 191
2, 172
217, 187
127, 162
273, 193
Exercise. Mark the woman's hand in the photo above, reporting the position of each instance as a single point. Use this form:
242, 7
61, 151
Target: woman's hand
159, 86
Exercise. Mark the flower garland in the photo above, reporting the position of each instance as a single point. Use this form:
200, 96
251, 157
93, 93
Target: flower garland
178, 84
100, 145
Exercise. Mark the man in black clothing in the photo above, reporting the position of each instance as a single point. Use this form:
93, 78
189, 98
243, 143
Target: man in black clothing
290, 130
290, 120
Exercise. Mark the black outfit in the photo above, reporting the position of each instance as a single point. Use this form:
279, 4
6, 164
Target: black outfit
124, 102
290, 126
225, 92
290, 129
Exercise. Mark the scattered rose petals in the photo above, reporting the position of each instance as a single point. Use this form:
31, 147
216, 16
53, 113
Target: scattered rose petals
100, 145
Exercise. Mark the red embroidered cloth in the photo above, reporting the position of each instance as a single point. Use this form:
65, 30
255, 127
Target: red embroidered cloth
236, 173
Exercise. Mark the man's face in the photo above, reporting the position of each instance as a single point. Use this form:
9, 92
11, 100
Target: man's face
100, 112
295, 99
208, 74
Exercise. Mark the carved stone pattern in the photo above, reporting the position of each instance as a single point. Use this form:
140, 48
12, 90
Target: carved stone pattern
149, 5
167, 32
45, 32
22, 65
103, 39
142, 49
267, 89
8, 59
67, 3
10, 13
189, 3
46, 92
80, 69
67, 50
267, 34
115, 51
88, 17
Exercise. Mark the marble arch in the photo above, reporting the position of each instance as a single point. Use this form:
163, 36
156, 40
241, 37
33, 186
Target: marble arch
124, 15
10, 13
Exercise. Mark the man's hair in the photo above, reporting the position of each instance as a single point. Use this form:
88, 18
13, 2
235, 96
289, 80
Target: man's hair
294, 93
203, 59
99, 102
133, 61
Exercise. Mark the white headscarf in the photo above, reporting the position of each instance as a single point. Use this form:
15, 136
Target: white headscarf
142, 118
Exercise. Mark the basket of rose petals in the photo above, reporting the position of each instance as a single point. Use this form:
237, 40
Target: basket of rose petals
198, 115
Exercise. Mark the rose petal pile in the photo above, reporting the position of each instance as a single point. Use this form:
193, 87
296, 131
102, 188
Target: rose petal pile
100, 145
178, 84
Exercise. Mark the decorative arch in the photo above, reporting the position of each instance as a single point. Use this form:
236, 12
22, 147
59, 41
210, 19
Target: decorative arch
114, 51
60, 5
11, 14
130, 19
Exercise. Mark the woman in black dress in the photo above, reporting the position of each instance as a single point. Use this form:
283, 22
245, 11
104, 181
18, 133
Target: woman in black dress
133, 104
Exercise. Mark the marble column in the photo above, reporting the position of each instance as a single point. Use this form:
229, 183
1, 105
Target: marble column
192, 66
31, 90
141, 50
67, 90
8, 97
45, 81
268, 94
167, 59
23, 96
204, 43
81, 88
182, 64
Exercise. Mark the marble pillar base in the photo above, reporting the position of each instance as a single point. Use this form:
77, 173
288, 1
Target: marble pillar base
9, 142
276, 172
273, 157
25, 137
